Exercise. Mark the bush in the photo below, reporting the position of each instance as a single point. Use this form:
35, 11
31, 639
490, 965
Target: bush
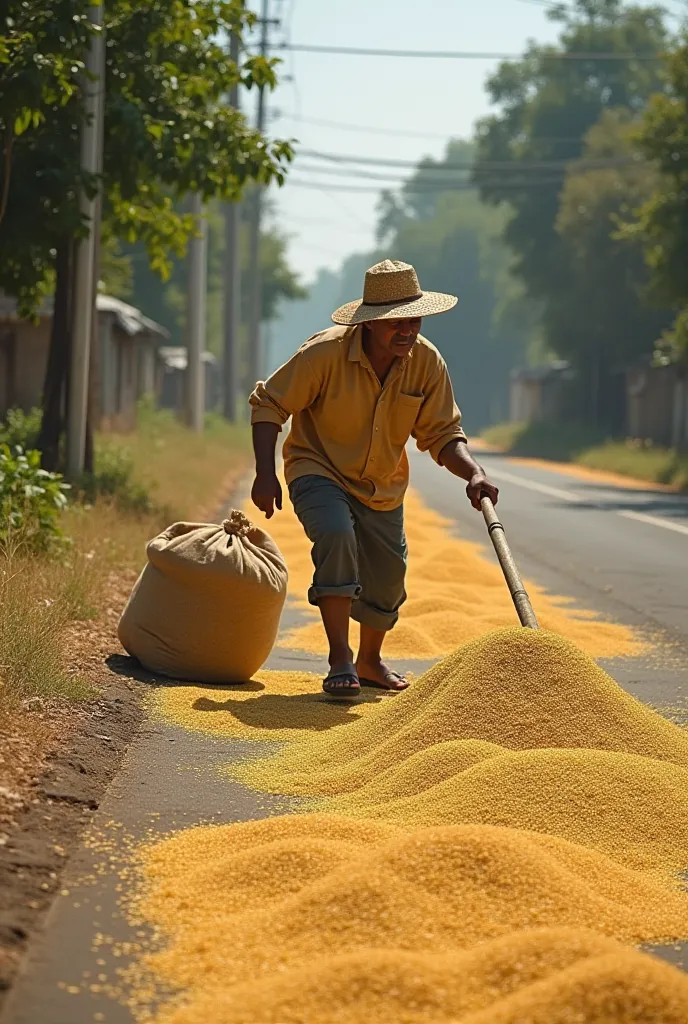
114, 477
31, 500
21, 429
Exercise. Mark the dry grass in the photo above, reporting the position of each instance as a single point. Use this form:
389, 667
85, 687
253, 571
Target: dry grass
184, 473
187, 475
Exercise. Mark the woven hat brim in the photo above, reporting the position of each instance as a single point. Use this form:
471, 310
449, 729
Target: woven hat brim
428, 304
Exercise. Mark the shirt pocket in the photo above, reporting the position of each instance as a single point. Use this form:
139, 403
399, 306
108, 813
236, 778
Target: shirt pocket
404, 414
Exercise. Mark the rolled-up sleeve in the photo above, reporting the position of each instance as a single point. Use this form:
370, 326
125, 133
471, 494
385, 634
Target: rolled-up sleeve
291, 388
439, 419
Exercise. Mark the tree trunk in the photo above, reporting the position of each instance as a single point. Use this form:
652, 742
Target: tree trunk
54, 388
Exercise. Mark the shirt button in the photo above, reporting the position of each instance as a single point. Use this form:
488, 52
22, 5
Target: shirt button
376, 429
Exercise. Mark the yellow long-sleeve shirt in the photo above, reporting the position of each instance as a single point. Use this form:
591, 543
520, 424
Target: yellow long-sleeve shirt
350, 428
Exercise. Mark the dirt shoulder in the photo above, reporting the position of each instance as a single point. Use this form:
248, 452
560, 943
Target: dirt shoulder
60, 760
57, 754
57, 758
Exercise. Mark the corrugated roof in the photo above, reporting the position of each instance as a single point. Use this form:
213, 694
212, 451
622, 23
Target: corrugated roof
175, 357
130, 319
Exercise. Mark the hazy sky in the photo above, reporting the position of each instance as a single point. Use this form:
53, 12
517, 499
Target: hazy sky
436, 99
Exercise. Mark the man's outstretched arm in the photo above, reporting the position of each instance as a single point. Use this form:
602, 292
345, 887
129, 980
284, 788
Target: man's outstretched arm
456, 457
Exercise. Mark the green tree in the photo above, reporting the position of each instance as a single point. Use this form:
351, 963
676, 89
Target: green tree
547, 105
608, 319
165, 300
437, 222
168, 131
662, 223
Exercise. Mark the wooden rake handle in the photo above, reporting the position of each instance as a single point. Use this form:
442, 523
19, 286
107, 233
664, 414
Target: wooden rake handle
524, 608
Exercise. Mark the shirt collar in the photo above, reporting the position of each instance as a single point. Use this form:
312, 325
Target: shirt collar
356, 344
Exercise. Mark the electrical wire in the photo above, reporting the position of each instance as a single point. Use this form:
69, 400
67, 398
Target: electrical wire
401, 132
347, 126
467, 54
490, 165
328, 187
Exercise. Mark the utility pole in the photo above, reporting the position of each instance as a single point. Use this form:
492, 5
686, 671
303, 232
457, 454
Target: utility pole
255, 361
195, 317
85, 284
232, 269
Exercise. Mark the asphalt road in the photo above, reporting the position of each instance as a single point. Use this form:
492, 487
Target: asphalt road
620, 552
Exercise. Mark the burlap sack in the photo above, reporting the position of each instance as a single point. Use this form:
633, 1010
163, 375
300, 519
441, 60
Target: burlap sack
207, 605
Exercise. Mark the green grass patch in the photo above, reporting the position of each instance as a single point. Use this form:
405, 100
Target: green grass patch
584, 446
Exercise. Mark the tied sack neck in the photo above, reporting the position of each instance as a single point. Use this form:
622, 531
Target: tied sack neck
237, 525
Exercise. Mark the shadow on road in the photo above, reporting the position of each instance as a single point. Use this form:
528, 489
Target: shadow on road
312, 711
130, 668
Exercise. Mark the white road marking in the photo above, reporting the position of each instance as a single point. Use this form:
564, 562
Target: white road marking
655, 521
561, 495
533, 485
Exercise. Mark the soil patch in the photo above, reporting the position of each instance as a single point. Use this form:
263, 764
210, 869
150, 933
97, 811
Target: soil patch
62, 758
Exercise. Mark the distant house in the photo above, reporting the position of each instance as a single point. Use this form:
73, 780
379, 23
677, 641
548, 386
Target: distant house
658, 404
171, 391
127, 368
536, 393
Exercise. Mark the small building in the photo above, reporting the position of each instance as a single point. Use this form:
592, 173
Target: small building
172, 388
537, 393
657, 403
127, 364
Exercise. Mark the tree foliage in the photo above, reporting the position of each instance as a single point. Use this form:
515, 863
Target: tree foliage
168, 127
546, 107
169, 130
455, 243
610, 318
662, 224
165, 301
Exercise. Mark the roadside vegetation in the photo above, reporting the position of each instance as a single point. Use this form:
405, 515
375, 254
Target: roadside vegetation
63, 550
585, 446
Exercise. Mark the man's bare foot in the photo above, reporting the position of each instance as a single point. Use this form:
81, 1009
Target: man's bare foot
381, 676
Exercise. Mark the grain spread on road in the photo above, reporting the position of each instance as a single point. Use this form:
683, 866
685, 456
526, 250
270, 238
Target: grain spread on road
240, 917
488, 847
272, 706
456, 593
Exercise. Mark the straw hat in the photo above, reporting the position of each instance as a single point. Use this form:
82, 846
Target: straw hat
391, 292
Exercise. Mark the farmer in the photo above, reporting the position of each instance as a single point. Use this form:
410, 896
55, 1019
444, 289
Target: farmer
356, 393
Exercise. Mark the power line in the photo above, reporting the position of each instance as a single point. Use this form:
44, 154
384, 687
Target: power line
347, 126
430, 190
488, 165
466, 54
374, 130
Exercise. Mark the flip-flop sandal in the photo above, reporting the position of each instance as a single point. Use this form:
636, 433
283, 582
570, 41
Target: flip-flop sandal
388, 689
342, 672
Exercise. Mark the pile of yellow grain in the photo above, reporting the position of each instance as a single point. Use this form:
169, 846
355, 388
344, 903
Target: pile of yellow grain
514, 688
490, 845
250, 910
553, 976
456, 592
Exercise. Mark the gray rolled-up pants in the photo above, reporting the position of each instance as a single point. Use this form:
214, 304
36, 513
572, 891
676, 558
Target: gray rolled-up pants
358, 552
